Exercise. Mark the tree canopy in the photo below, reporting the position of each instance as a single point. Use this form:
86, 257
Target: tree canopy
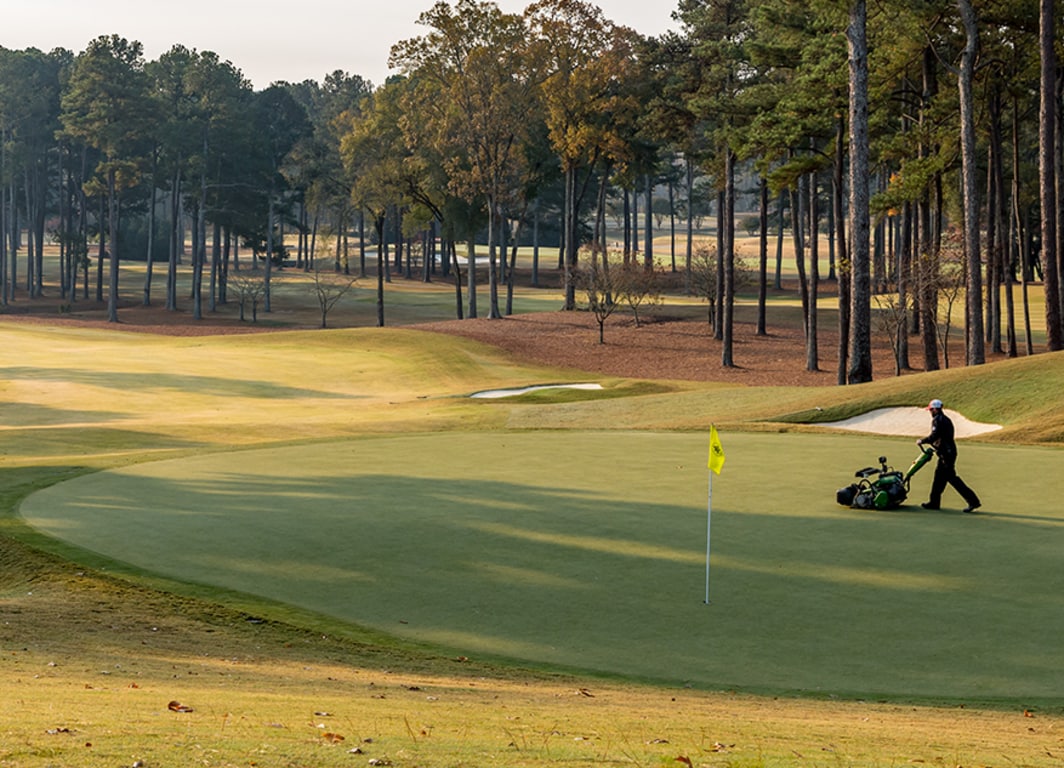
887, 127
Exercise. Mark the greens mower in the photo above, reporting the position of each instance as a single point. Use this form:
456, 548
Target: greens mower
881, 487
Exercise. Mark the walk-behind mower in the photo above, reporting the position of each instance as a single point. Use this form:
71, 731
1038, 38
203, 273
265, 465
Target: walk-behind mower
881, 487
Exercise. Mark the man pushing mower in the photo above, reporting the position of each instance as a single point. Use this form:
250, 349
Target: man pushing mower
883, 487
942, 440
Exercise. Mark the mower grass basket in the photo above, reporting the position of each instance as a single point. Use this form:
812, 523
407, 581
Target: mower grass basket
880, 487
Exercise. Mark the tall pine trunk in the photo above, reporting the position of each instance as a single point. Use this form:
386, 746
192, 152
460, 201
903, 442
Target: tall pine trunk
973, 314
728, 301
812, 350
150, 255
843, 254
648, 216
175, 228
112, 217
493, 271
860, 297
1047, 173
927, 249
689, 169
568, 237
762, 257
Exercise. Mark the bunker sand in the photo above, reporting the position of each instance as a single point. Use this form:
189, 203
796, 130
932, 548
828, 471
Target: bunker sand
911, 422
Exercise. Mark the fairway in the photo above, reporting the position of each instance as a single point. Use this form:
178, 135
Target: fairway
586, 551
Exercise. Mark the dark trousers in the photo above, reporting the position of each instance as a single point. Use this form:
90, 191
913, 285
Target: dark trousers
946, 474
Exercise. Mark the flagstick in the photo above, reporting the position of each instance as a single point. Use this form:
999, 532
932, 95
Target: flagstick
709, 517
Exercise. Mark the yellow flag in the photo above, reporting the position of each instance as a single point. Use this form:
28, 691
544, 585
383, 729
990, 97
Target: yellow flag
716, 451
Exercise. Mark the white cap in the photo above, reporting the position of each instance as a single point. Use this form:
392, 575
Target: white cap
934, 405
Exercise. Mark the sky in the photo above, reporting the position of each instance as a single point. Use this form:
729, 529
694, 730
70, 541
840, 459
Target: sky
267, 40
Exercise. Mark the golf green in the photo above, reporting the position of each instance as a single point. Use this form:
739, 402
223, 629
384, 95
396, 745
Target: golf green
587, 550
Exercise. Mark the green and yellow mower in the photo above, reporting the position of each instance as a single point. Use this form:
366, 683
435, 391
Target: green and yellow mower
881, 487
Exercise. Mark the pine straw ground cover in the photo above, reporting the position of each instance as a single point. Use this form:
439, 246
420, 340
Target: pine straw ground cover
674, 341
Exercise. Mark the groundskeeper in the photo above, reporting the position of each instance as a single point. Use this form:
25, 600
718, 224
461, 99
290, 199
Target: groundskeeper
942, 440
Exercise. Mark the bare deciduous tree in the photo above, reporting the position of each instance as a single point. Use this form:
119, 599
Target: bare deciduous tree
891, 319
329, 289
600, 289
249, 292
943, 277
639, 288
704, 278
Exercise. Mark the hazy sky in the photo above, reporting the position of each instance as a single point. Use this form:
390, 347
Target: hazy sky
267, 40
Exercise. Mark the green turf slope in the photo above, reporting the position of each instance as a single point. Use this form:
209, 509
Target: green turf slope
587, 550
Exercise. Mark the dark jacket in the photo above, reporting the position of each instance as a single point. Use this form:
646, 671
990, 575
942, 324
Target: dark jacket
941, 437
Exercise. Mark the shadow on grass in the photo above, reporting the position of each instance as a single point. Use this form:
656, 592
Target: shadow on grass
604, 572
31, 416
41, 443
205, 385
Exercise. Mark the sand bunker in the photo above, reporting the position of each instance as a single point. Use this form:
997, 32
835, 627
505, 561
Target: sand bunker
494, 393
912, 422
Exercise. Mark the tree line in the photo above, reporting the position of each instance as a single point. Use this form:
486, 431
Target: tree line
916, 145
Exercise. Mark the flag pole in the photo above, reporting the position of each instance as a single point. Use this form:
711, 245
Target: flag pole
709, 518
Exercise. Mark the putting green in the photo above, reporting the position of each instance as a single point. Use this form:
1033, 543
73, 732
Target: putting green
587, 550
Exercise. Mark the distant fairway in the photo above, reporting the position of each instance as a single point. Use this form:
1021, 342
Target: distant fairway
587, 550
